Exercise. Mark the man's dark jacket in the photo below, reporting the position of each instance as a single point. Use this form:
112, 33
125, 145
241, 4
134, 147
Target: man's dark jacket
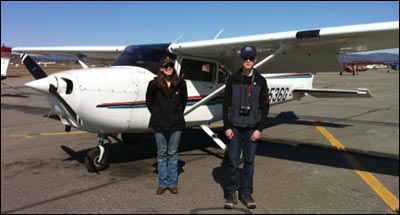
263, 106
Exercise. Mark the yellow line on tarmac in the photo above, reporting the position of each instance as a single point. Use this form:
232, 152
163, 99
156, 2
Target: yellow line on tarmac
391, 200
62, 133
9, 99
49, 134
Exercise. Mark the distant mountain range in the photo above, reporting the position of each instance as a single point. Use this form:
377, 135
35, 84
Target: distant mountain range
375, 57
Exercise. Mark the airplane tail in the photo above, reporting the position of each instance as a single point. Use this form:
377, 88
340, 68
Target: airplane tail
5, 59
33, 67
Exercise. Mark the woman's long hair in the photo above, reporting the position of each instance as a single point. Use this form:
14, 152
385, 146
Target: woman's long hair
161, 76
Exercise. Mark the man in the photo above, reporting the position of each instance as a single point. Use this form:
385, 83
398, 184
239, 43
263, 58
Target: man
245, 111
354, 67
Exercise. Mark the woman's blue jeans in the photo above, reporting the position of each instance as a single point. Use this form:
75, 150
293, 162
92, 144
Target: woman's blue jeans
167, 157
243, 182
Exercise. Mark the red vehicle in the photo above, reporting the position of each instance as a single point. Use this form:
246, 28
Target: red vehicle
350, 69
354, 69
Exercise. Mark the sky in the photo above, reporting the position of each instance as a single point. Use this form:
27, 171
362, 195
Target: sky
123, 23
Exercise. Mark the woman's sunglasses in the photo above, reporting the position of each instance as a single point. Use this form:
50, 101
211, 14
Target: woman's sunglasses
169, 65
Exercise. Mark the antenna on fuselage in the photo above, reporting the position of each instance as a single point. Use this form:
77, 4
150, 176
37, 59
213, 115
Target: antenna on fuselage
219, 33
177, 39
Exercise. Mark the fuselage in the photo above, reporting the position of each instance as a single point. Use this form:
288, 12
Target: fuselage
113, 99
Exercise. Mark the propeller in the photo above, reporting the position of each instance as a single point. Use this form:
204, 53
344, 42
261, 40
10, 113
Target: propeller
46, 84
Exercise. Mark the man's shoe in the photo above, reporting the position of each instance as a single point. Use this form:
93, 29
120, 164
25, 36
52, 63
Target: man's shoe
248, 201
161, 190
173, 190
231, 200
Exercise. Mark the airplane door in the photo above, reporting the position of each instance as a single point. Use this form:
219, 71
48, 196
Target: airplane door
202, 79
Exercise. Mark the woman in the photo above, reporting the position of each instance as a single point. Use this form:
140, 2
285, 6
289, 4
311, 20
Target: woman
166, 98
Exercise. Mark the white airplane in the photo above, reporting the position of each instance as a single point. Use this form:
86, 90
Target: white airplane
5, 59
112, 100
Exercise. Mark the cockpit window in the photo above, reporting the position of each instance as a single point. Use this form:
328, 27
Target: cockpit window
145, 56
198, 70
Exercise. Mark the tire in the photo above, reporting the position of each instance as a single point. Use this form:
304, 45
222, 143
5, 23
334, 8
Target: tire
91, 160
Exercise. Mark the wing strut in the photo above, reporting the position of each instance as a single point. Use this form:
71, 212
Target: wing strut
283, 47
204, 100
214, 136
83, 64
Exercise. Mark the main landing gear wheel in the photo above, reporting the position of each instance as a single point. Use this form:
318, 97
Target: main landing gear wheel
92, 160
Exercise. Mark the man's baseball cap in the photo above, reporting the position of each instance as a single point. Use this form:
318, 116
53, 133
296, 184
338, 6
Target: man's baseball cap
248, 51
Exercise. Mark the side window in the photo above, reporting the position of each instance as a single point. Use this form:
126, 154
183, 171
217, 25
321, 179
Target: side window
198, 70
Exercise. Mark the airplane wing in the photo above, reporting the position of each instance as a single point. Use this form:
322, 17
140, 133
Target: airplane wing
314, 50
97, 52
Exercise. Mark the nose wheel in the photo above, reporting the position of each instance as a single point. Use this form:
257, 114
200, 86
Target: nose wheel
96, 158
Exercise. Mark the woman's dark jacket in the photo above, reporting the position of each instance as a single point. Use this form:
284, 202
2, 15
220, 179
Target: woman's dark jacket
166, 105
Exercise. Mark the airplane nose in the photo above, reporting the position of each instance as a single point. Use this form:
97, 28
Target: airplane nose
41, 85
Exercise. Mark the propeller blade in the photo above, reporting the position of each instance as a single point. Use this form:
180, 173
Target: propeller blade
53, 91
32, 67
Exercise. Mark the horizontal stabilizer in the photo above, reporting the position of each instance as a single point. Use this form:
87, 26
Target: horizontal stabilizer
335, 93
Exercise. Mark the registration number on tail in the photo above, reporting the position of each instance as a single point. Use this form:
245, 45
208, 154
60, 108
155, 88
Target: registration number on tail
279, 94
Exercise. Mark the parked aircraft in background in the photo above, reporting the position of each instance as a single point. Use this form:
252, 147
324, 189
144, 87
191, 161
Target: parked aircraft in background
376, 66
112, 100
395, 66
5, 59
45, 63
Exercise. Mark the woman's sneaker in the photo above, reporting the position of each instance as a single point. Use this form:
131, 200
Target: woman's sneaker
231, 200
248, 201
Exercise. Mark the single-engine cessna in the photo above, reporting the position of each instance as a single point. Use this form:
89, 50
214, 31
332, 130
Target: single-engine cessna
112, 100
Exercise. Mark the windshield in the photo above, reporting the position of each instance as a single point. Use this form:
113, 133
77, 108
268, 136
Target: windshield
145, 56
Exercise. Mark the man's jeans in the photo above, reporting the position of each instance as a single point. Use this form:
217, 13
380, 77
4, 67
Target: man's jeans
245, 185
167, 157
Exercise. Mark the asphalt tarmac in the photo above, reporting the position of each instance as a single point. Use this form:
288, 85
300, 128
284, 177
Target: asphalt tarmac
316, 156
